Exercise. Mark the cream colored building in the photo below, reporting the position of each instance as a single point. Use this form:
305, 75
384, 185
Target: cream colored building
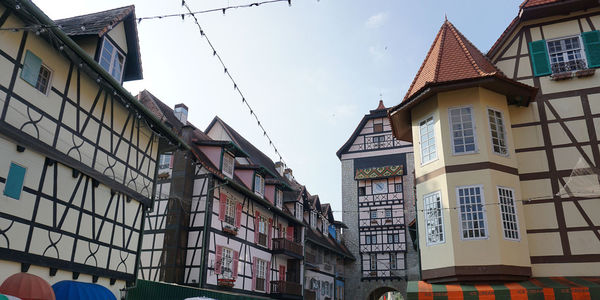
79, 154
506, 149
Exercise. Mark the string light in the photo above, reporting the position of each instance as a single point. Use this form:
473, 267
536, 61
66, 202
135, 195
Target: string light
228, 73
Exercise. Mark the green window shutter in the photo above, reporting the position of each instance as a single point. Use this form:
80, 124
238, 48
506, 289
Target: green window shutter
591, 42
14, 181
539, 58
31, 68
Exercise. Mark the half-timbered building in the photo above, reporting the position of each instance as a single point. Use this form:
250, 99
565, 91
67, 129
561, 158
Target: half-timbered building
220, 222
377, 193
79, 154
506, 153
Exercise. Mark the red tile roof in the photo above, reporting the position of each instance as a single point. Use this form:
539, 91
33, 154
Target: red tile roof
451, 57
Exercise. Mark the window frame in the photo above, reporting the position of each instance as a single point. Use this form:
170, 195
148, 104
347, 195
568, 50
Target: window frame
228, 155
516, 214
278, 198
371, 261
377, 124
393, 261
375, 182
230, 205
473, 128
582, 52
483, 211
505, 133
112, 58
363, 189
425, 119
396, 187
49, 83
260, 189
261, 266
373, 214
442, 232
224, 265
162, 160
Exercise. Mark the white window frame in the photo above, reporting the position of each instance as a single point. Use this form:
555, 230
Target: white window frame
517, 229
483, 211
261, 266
49, 83
226, 263
375, 182
259, 187
165, 159
505, 135
279, 198
437, 195
228, 164
313, 219
388, 213
299, 210
112, 59
473, 128
230, 204
582, 51
431, 158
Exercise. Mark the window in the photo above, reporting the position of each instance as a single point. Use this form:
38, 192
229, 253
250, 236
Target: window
462, 130
393, 261
373, 260
262, 231
36, 73
566, 55
259, 185
380, 186
230, 211
378, 127
398, 187
228, 163
14, 181
471, 213
370, 239
393, 238
165, 161
112, 60
260, 274
362, 190
373, 214
434, 221
508, 210
367, 239
299, 211
227, 263
379, 139
427, 139
388, 213
497, 132
313, 219
279, 198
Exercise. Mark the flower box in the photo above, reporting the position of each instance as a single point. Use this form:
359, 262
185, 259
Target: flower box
230, 229
585, 73
562, 76
225, 282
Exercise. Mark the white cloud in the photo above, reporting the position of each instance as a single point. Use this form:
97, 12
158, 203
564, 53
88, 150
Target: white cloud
376, 21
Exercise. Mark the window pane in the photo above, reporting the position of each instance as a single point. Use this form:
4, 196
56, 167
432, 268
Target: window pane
497, 132
433, 218
471, 212
462, 129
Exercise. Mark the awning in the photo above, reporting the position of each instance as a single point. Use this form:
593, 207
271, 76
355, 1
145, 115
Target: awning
27, 287
8, 297
145, 290
379, 172
68, 289
543, 288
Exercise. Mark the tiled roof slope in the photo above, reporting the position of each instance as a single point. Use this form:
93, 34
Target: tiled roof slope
451, 57
532, 3
94, 23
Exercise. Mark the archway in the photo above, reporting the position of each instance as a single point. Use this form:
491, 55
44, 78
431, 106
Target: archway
380, 292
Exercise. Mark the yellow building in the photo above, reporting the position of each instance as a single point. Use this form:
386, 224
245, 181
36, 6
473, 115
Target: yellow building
78, 152
506, 150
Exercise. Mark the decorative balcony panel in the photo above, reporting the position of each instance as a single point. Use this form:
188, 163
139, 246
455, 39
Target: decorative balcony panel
285, 288
287, 247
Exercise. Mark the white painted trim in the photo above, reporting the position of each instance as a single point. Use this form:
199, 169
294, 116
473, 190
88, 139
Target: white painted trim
474, 128
434, 141
498, 187
485, 223
439, 195
487, 117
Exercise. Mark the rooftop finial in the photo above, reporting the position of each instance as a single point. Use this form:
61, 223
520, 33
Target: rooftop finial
445, 17
380, 106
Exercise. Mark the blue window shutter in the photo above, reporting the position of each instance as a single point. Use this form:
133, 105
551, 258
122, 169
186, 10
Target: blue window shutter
14, 181
539, 58
31, 68
591, 42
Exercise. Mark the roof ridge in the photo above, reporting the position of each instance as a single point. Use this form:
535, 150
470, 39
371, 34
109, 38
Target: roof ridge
97, 12
466, 51
422, 65
440, 51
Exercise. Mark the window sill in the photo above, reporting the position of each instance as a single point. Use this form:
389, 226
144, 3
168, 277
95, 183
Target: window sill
570, 75
230, 229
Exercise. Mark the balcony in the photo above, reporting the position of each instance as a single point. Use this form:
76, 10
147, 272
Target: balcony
287, 247
285, 289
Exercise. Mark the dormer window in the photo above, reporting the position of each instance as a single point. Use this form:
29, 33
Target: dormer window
313, 219
279, 198
259, 185
228, 164
112, 60
299, 211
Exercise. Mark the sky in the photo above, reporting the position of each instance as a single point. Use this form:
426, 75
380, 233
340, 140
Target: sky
310, 71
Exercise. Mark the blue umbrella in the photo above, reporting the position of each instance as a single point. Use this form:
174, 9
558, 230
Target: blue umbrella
68, 289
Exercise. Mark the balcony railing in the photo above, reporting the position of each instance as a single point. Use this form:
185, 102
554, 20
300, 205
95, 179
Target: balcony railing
262, 239
286, 287
283, 244
310, 258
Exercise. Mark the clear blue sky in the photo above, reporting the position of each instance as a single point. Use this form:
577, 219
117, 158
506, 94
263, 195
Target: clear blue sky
310, 71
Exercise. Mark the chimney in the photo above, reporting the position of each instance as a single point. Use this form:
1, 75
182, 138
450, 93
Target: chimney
288, 174
181, 113
279, 167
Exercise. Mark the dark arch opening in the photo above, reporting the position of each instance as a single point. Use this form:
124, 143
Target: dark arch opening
378, 293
